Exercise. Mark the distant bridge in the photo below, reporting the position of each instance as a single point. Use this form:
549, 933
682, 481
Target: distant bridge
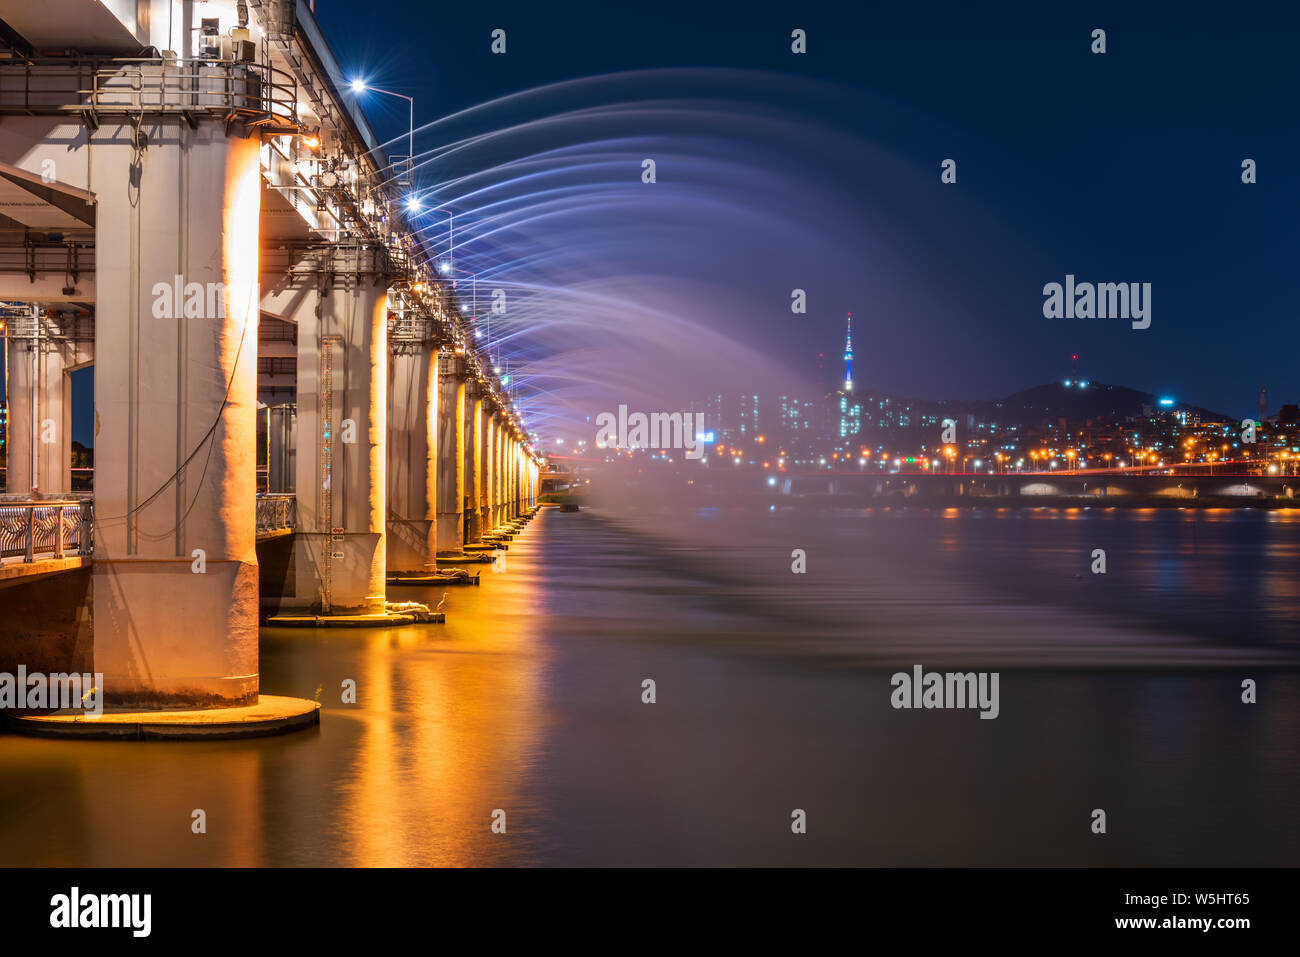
1099, 483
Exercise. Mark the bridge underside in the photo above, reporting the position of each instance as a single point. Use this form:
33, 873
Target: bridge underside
213, 231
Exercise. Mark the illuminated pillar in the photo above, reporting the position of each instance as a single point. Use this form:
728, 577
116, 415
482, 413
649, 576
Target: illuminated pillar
489, 473
175, 571
519, 478
489, 468
282, 445
507, 475
339, 550
451, 455
39, 394
412, 457
474, 467
520, 461
513, 509
498, 471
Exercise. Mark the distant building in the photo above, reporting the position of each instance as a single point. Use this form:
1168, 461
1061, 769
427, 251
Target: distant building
731, 418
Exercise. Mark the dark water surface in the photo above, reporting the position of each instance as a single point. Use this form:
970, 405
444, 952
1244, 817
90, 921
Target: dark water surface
1119, 692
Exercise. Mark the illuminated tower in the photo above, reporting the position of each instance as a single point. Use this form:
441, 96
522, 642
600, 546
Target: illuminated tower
848, 356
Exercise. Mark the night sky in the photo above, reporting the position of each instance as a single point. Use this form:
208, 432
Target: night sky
1122, 167
1117, 167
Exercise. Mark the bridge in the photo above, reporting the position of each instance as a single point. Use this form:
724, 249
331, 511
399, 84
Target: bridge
1167, 482
189, 204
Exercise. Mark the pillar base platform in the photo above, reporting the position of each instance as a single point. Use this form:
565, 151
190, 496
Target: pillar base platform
376, 620
435, 578
272, 714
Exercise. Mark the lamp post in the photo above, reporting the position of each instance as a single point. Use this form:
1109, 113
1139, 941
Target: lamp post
360, 86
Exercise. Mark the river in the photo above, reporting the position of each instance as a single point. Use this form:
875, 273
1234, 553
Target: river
1118, 691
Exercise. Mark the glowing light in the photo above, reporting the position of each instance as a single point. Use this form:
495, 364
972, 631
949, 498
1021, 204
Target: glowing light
358, 85
413, 205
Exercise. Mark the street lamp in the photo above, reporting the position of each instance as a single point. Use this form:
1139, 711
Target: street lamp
360, 86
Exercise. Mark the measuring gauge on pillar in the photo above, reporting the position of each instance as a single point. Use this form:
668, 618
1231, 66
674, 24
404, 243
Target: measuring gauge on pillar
336, 535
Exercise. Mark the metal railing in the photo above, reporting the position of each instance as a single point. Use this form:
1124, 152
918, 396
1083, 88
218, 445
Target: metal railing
61, 529
256, 92
277, 511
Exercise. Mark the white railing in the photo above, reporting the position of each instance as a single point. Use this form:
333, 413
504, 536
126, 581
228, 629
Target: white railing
277, 511
45, 529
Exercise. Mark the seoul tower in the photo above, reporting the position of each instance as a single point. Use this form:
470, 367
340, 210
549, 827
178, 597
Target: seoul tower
848, 356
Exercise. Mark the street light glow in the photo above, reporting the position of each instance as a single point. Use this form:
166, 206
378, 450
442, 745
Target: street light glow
358, 85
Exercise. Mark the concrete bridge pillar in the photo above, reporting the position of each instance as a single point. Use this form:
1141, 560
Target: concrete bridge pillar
39, 393
512, 505
499, 473
175, 576
489, 468
282, 446
518, 473
412, 457
339, 551
450, 497
521, 480
474, 458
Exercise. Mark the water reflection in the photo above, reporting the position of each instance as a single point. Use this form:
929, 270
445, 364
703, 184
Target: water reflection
772, 695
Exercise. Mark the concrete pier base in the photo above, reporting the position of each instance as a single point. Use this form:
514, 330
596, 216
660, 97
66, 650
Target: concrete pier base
268, 715
384, 620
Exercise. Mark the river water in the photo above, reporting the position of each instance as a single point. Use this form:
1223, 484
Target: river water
1119, 692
